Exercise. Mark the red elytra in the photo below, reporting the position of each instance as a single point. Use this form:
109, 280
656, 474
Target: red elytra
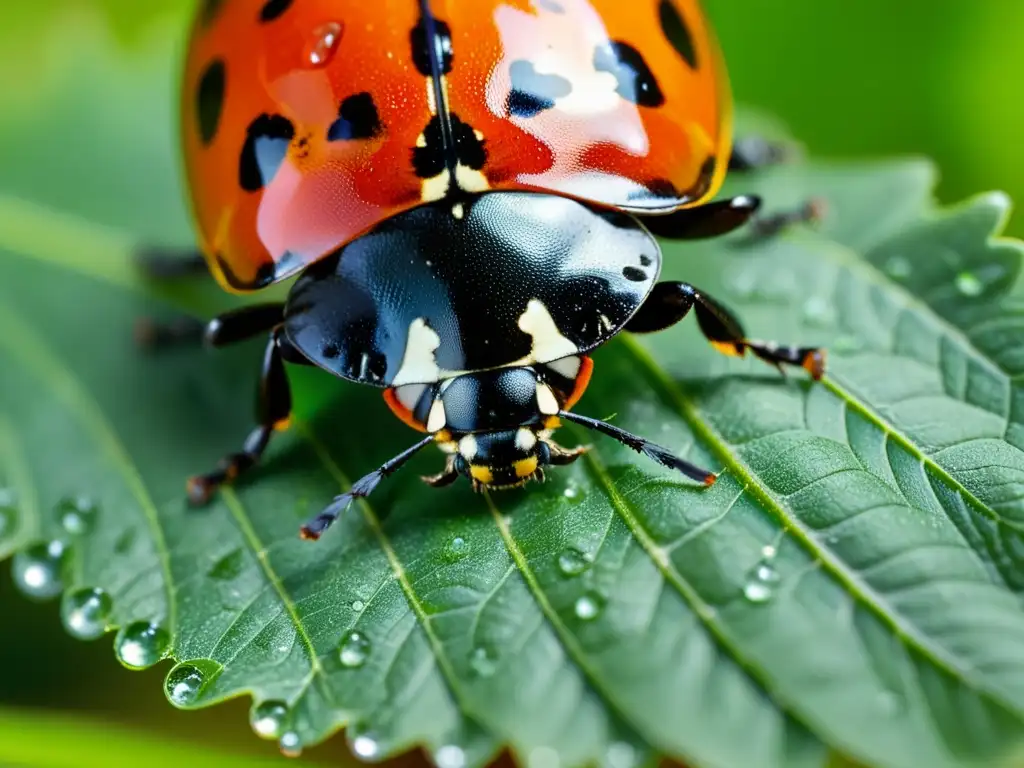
307, 122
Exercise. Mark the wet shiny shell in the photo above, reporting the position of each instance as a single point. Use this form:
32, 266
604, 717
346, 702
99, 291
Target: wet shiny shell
501, 279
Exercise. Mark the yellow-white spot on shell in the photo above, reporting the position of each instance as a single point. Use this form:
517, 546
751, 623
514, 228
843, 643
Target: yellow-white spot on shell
548, 341
525, 439
431, 97
436, 419
421, 141
468, 447
458, 211
470, 180
419, 364
435, 188
567, 366
546, 400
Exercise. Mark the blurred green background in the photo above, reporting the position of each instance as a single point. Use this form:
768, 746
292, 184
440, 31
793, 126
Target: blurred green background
875, 77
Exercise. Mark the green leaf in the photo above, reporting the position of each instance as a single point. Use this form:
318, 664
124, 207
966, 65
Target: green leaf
851, 585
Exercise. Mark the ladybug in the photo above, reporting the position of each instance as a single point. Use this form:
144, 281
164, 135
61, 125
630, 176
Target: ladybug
469, 194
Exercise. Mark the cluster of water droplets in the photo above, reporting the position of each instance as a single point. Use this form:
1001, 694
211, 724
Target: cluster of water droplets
763, 579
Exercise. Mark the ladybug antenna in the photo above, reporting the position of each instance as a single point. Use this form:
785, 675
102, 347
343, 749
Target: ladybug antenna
663, 456
360, 489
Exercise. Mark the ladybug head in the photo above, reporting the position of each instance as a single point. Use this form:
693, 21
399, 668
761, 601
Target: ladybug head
503, 459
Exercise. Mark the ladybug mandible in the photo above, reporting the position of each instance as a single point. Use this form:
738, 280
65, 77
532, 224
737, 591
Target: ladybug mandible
469, 193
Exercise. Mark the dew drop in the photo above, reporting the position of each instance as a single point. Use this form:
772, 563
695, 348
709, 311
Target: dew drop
358, 605
450, 756
290, 744
76, 515
141, 644
968, 284
362, 742
354, 650
38, 570
483, 661
818, 311
572, 562
588, 606
268, 719
764, 572
898, 267
621, 755
185, 683
85, 613
574, 494
457, 548
768, 551
757, 591
228, 567
324, 43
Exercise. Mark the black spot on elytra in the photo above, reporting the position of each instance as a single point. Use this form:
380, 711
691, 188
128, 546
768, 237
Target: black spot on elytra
645, 260
208, 11
674, 27
330, 351
424, 47
357, 119
429, 160
210, 99
618, 219
265, 148
274, 8
635, 274
704, 178
532, 92
636, 82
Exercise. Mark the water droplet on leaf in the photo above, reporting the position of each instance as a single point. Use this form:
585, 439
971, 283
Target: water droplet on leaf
141, 644
358, 605
354, 650
85, 613
574, 494
76, 515
898, 267
768, 551
186, 682
572, 562
324, 44
621, 755
757, 591
483, 662
588, 606
290, 744
363, 743
268, 719
457, 548
761, 586
228, 567
450, 756
968, 284
38, 570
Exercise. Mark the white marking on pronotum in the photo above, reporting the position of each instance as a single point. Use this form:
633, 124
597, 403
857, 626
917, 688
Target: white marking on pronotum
437, 418
548, 341
458, 210
419, 364
525, 440
468, 447
569, 367
410, 395
546, 400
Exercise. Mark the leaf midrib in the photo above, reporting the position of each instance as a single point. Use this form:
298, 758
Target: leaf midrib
868, 597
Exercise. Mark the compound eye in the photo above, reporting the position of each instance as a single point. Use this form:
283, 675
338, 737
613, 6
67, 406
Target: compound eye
543, 453
461, 465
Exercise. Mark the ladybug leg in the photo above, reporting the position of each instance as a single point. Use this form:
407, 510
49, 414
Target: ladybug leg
360, 489
274, 405
670, 302
170, 263
705, 221
663, 456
